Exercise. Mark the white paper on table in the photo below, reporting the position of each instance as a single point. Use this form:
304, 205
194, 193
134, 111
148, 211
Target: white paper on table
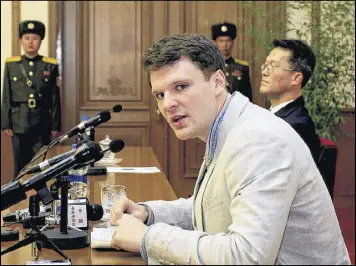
140, 170
101, 237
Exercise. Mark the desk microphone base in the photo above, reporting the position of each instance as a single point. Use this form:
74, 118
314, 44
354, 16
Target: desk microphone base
74, 239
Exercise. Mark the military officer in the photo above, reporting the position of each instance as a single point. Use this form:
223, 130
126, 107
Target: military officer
236, 70
31, 109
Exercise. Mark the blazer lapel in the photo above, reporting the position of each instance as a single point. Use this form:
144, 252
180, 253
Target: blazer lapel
199, 192
291, 107
201, 175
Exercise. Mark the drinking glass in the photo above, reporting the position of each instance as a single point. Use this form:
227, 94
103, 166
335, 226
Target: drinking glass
109, 194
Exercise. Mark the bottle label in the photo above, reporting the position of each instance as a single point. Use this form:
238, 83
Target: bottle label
78, 186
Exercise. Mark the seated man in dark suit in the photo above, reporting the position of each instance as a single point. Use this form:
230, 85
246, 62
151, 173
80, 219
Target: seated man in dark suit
287, 68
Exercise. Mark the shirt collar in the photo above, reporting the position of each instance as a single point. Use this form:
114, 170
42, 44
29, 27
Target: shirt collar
279, 106
213, 132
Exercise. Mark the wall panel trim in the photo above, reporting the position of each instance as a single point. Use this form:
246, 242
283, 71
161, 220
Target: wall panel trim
16, 13
52, 28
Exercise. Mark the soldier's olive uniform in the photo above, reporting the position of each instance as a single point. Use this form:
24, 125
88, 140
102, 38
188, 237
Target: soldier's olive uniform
238, 76
236, 70
30, 104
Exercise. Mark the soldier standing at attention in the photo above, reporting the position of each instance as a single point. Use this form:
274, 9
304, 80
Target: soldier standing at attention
236, 70
31, 109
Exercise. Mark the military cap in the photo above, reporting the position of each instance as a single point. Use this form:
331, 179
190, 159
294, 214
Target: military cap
223, 29
32, 26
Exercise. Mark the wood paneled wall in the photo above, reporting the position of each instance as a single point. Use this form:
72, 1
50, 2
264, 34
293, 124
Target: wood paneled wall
345, 168
102, 43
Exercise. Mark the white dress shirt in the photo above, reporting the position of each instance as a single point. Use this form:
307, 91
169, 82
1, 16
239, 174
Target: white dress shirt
278, 107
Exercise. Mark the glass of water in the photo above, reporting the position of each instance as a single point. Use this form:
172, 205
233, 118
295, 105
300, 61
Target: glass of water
109, 194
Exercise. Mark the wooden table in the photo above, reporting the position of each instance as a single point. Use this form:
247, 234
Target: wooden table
140, 187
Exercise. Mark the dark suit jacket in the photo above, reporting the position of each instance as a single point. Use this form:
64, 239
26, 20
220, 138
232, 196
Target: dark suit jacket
297, 115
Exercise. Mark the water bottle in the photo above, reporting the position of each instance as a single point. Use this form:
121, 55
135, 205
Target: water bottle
79, 181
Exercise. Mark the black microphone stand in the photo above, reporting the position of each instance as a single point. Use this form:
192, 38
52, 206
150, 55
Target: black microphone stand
62, 237
92, 138
35, 235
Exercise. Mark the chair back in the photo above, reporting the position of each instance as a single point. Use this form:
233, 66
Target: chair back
327, 163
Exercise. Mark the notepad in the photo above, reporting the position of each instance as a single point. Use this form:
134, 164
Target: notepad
101, 237
136, 170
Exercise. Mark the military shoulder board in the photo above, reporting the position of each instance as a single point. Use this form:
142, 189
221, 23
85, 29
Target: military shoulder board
50, 60
241, 62
13, 59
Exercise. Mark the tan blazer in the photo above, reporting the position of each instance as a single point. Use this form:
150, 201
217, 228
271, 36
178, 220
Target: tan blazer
259, 199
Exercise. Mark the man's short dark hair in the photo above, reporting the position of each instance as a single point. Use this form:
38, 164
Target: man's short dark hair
302, 59
196, 47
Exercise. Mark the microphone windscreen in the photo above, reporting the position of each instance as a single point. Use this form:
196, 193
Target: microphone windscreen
117, 108
116, 145
95, 212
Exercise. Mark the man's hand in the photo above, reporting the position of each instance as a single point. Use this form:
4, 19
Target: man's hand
8, 132
124, 205
128, 234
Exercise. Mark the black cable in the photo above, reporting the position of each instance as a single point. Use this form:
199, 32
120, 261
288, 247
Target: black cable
22, 173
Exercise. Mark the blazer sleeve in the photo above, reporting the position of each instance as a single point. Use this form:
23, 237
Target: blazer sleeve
177, 212
6, 101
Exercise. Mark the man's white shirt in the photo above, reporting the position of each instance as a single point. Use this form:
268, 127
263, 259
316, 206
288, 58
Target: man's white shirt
279, 106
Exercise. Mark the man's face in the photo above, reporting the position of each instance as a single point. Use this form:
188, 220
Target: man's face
185, 98
276, 78
224, 44
31, 43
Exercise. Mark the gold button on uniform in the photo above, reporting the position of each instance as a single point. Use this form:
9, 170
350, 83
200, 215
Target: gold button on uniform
30, 73
31, 63
14, 79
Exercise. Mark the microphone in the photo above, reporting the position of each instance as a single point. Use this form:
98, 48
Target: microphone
47, 163
80, 212
94, 212
115, 146
102, 117
20, 215
15, 192
116, 109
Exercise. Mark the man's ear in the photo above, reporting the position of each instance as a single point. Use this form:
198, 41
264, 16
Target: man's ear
219, 82
298, 78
